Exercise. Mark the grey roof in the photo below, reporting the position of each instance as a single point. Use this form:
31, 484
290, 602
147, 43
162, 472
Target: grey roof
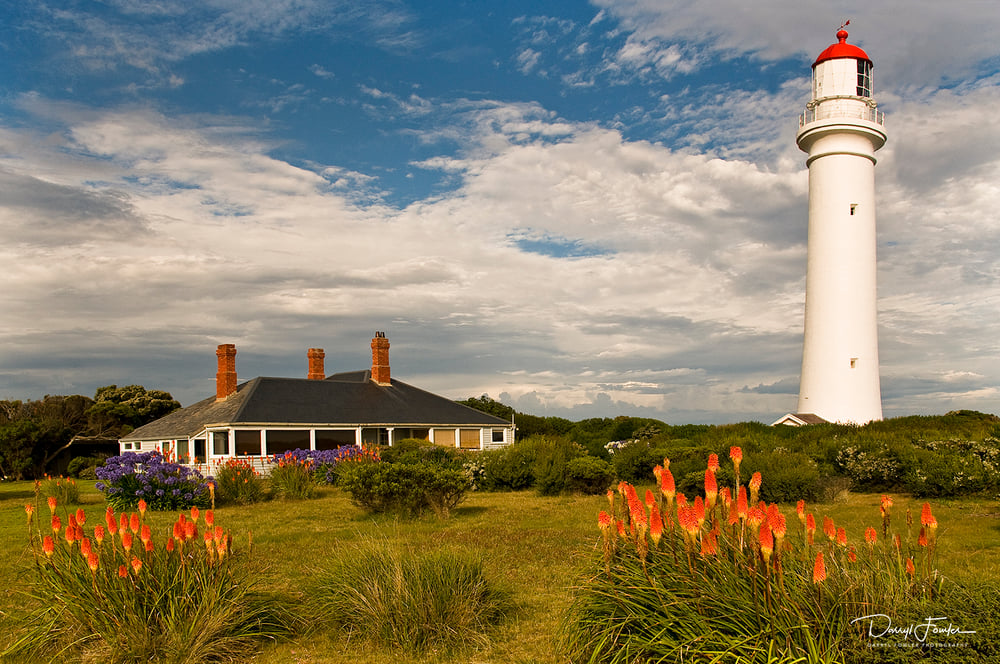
348, 399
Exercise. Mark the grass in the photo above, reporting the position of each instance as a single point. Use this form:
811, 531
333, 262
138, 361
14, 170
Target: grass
535, 547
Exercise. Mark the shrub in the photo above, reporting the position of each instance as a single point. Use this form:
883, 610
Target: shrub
551, 454
118, 594
415, 450
292, 476
147, 476
79, 465
508, 468
731, 581
404, 488
237, 481
436, 600
63, 489
789, 476
589, 475
633, 460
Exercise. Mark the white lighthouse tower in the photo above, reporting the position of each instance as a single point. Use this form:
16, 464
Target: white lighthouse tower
840, 130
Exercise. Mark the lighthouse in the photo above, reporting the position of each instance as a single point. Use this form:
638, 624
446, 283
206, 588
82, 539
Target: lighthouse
840, 131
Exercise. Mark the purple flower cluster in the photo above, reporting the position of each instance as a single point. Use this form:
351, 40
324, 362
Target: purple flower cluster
132, 476
325, 462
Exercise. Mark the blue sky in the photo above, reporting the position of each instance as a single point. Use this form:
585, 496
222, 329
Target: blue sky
581, 209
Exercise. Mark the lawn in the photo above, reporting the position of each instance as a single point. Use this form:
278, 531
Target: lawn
535, 547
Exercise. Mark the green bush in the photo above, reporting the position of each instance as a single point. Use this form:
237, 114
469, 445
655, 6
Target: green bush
634, 462
404, 488
551, 454
118, 601
417, 601
508, 468
415, 450
79, 465
787, 476
237, 482
589, 475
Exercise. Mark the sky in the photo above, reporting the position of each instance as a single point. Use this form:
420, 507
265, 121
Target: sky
579, 209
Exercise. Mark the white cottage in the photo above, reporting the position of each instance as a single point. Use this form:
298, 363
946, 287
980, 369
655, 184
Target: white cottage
266, 416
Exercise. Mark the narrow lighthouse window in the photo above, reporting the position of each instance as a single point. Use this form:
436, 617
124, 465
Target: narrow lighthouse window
864, 78
854, 207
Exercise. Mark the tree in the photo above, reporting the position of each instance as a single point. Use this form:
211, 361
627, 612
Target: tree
489, 406
118, 410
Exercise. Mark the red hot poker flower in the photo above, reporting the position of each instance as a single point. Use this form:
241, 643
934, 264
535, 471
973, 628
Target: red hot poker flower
741, 503
819, 569
910, 569
126, 540
604, 521
210, 516
711, 488
870, 536
122, 571
810, 527
736, 454
922, 539
52, 504
667, 487
713, 462
145, 534
650, 498
99, 535
829, 529
142, 507
655, 525
841, 536
92, 562
766, 539
194, 513
133, 523
81, 516
800, 510
48, 546
56, 524
136, 565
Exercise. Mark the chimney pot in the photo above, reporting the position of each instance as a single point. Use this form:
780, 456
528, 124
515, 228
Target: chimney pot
380, 359
225, 379
316, 368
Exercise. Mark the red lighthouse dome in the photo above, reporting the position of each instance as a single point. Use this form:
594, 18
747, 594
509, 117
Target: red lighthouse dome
842, 50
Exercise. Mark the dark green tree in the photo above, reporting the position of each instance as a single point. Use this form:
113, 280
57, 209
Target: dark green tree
118, 410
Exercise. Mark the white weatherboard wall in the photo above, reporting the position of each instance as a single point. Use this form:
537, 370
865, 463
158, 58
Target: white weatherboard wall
841, 130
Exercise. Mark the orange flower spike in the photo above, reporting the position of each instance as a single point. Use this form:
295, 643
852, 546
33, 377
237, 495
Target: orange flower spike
736, 454
29, 509
709, 545
621, 528
658, 473
52, 504
922, 539
650, 498
755, 517
829, 529
910, 569
81, 516
92, 562
699, 510
56, 524
611, 505
71, 521
122, 571
713, 462
142, 508
85, 547
99, 535
841, 536
170, 545
48, 546
145, 534
741, 503
800, 511
819, 569
112, 526
897, 541
126, 540
655, 525
682, 501
190, 530
194, 513
711, 488
210, 517
727, 497
667, 487
133, 523
870, 536
852, 555
604, 522
810, 527
219, 532
123, 522
148, 546
766, 540
136, 565
755, 482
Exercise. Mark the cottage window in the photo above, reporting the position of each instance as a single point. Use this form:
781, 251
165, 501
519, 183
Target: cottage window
248, 442
220, 443
331, 439
444, 437
498, 435
280, 441
469, 439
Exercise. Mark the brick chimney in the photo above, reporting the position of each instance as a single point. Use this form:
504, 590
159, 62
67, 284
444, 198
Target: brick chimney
225, 379
316, 369
380, 359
